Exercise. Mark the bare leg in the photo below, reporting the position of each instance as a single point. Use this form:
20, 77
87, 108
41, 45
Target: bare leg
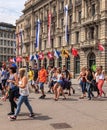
55, 90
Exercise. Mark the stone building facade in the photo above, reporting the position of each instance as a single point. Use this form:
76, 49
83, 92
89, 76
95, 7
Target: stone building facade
87, 27
7, 42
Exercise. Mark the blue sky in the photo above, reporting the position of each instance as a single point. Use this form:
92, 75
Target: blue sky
10, 10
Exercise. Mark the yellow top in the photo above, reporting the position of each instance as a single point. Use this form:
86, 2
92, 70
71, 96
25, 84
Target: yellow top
30, 75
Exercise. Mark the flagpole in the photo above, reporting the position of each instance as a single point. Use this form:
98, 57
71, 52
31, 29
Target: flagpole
49, 24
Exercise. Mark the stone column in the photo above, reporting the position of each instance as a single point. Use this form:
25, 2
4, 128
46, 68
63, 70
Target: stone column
74, 12
58, 14
32, 32
103, 5
43, 20
83, 9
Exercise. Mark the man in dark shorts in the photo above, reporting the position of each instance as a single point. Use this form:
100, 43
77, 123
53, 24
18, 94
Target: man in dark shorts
67, 82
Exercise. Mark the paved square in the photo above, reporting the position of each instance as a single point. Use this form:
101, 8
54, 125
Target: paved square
79, 114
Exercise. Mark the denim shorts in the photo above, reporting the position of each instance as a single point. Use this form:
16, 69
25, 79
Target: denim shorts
41, 84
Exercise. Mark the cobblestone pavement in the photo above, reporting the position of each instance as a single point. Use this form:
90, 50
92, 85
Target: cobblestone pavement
72, 114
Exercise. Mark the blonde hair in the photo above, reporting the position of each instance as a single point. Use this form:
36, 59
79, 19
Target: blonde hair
22, 72
83, 68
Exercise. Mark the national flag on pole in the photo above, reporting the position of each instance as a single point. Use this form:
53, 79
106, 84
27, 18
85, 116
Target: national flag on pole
36, 57
66, 23
49, 29
100, 47
31, 57
37, 33
18, 59
12, 60
56, 54
74, 52
21, 38
65, 53
50, 55
41, 56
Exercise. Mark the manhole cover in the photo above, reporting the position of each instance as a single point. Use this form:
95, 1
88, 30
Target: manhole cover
60, 125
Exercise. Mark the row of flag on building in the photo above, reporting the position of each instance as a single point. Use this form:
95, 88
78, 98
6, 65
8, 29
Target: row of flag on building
51, 55
55, 54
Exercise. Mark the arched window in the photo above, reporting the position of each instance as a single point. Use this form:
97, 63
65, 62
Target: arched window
45, 63
77, 65
51, 62
91, 59
60, 62
68, 63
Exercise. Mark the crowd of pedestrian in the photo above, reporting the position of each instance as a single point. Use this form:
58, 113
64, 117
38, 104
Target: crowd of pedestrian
15, 83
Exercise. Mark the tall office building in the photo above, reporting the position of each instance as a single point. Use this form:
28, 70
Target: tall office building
7, 42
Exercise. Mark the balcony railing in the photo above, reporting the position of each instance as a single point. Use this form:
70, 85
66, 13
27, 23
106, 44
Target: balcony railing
91, 19
88, 44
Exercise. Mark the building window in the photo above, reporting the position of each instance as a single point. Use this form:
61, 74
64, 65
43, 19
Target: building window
62, 5
5, 50
1, 34
1, 42
4, 35
62, 23
93, 9
60, 62
77, 65
77, 37
51, 62
70, 21
45, 44
60, 41
52, 43
4, 43
68, 63
70, 1
45, 63
54, 9
97, 31
68, 38
39, 63
91, 59
54, 27
91, 33
79, 16
86, 35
